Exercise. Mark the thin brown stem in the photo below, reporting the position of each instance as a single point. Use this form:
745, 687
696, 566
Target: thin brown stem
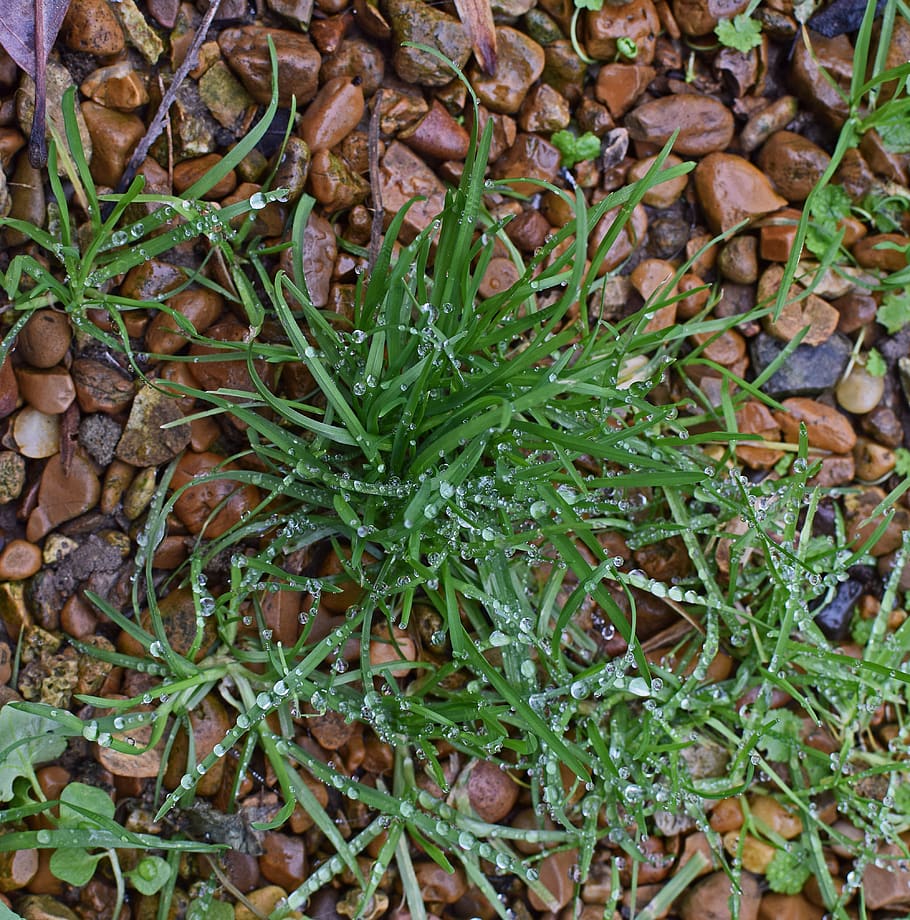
37, 141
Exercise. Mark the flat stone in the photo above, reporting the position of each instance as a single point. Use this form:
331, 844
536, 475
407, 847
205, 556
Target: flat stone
90, 26
730, 189
63, 496
114, 135
413, 21
705, 125
807, 371
140, 34
145, 441
224, 95
636, 20
520, 62
793, 164
118, 86
402, 176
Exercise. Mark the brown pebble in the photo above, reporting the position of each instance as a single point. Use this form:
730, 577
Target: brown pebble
333, 114
63, 496
45, 338
90, 26
492, 792
773, 816
636, 20
826, 428
709, 899
776, 906
114, 135
9, 388
793, 164
730, 189
437, 135
200, 307
856, 309
665, 193
283, 861
50, 390
403, 175
19, 559
440, 886
705, 125
868, 254
188, 172
755, 418
555, 873
620, 86
500, 275
17, 867
629, 239
100, 387
118, 87
860, 392
738, 260
873, 461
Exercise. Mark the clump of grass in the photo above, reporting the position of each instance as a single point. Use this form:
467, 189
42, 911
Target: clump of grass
468, 460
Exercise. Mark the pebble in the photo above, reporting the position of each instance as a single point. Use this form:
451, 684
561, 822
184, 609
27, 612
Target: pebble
412, 21
620, 86
388, 648
440, 886
356, 58
793, 164
544, 110
705, 126
834, 618
36, 433
811, 313
402, 176
774, 117
868, 254
806, 371
9, 388
774, 817
139, 493
247, 53
333, 184
264, 901
49, 390
19, 560
151, 280
90, 26
231, 371
27, 199
12, 475
283, 861
114, 135
224, 95
209, 722
776, 906
663, 194
756, 418
815, 65
826, 428
887, 886
699, 17
738, 260
530, 157
725, 348
860, 525
709, 899
45, 338
492, 792
730, 189
884, 426
100, 387
188, 172
778, 234
500, 275
17, 868
63, 496
294, 168
756, 855
555, 872
333, 114
198, 502
437, 134
636, 20
117, 86
628, 240
146, 441
199, 306
860, 392
872, 461
98, 436
520, 62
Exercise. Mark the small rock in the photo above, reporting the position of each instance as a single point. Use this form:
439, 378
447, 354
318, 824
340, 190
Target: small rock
200, 307
710, 898
555, 872
196, 505
806, 371
319, 253
114, 135
36, 434
140, 34
705, 126
699, 17
809, 312
224, 95
145, 441
334, 184
231, 371
12, 475
440, 886
756, 855
356, 58
665, 193
247, 53
544, 110
815, 64
636, 20
755, 418
100, 387
619, 86
776, 906
48, 390
530, 157
774, 117
437, 135
263, 902
500, 275
118, 87
793, 164
284, 860
9, 388
738, 260
188, 172
90, 26
861, 525
209, 722
730, 189
403, 175
869, 253
872, 461
883, 425
17, 868
333, 114
164, 12
888, 886
857, 310
826, 428
520, 62
629, 239
772, 816
27, 199
294, 168
860, 392
98, 436
63, 496
835, 617
413, 21
19, 560
139, 493
45, 338
492, 792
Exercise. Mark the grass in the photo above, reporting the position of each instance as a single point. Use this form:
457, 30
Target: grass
470, 463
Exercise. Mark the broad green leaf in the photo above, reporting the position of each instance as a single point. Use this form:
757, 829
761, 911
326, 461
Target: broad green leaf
28, 740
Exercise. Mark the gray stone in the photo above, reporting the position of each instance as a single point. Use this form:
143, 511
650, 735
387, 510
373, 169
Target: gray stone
806, 371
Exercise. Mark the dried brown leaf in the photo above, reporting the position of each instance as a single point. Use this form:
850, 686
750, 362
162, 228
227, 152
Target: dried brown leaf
477, 18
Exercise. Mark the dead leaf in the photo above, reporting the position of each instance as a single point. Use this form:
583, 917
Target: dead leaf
28, 29
477, 18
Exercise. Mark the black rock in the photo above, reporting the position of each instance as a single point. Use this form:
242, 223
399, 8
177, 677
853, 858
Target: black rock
806, 371
842, 16
834, 618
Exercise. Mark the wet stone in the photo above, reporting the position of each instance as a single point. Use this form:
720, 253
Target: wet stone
48, 390
491, 791
284, 860
12, 476
705, 126
544, 110
146, 441
294, 168
619, 86
438, 135
806, 371
556, 875
45, 338
826, 428
333, 184
884, 426
36, 434
738, 260
860, 391
636, 20
224, 95
19, 560
730, 189
100, 387
246, 51
440, 886
91, 26
188, 172
114, 135
814, 66
665, 193
118, 86
199, 306
520, 61
529, 157
710, 899
98, 436
793, 164
699, 17
412, 21
402, 175
63, 496
356, 58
